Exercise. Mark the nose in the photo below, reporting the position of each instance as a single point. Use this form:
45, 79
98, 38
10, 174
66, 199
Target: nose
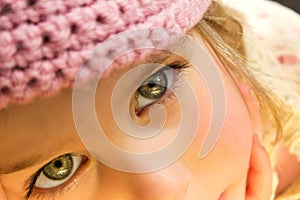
169, 183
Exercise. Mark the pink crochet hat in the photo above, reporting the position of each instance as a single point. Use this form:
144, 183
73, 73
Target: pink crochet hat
43, 43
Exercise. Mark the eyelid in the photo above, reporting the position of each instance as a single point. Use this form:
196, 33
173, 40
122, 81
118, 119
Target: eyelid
176, 64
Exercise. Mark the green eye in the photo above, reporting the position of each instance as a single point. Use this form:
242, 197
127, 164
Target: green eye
58, 171
59, 168
155, 87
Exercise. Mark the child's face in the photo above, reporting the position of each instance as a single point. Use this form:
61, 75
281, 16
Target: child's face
35, 134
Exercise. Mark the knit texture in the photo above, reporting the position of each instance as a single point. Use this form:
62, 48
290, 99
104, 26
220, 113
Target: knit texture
43, 43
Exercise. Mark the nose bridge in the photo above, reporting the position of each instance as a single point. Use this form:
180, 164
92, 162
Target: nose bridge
170, 182
2, 192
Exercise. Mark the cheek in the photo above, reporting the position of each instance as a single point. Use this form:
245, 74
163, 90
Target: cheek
228, 162
238, 131
236, 139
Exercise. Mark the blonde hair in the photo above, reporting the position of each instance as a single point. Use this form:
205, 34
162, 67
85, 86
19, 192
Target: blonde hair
227, 33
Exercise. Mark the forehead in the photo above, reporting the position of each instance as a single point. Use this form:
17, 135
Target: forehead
38, 127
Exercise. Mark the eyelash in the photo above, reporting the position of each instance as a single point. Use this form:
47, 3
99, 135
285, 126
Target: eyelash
52, 193
169, 96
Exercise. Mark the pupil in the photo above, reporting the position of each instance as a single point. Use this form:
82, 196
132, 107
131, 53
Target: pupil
154, 87
151, 85
58, 164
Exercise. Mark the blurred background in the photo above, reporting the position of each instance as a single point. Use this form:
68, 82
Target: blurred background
294, 4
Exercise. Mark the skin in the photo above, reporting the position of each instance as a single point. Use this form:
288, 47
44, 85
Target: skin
237, 168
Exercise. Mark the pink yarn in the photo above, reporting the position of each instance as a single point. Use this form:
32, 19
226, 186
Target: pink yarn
43, 43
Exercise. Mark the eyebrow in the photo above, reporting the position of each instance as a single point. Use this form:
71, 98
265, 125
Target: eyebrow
33, 160
158, 56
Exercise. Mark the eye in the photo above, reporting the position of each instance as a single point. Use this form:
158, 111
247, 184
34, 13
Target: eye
154, 87
58, 171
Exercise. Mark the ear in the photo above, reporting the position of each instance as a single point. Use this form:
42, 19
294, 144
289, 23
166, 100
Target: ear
260, 174
253, 108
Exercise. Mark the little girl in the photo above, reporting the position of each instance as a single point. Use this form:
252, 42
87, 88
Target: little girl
212, 114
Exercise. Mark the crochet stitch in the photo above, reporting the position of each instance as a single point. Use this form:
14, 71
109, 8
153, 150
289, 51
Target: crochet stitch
43, 43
